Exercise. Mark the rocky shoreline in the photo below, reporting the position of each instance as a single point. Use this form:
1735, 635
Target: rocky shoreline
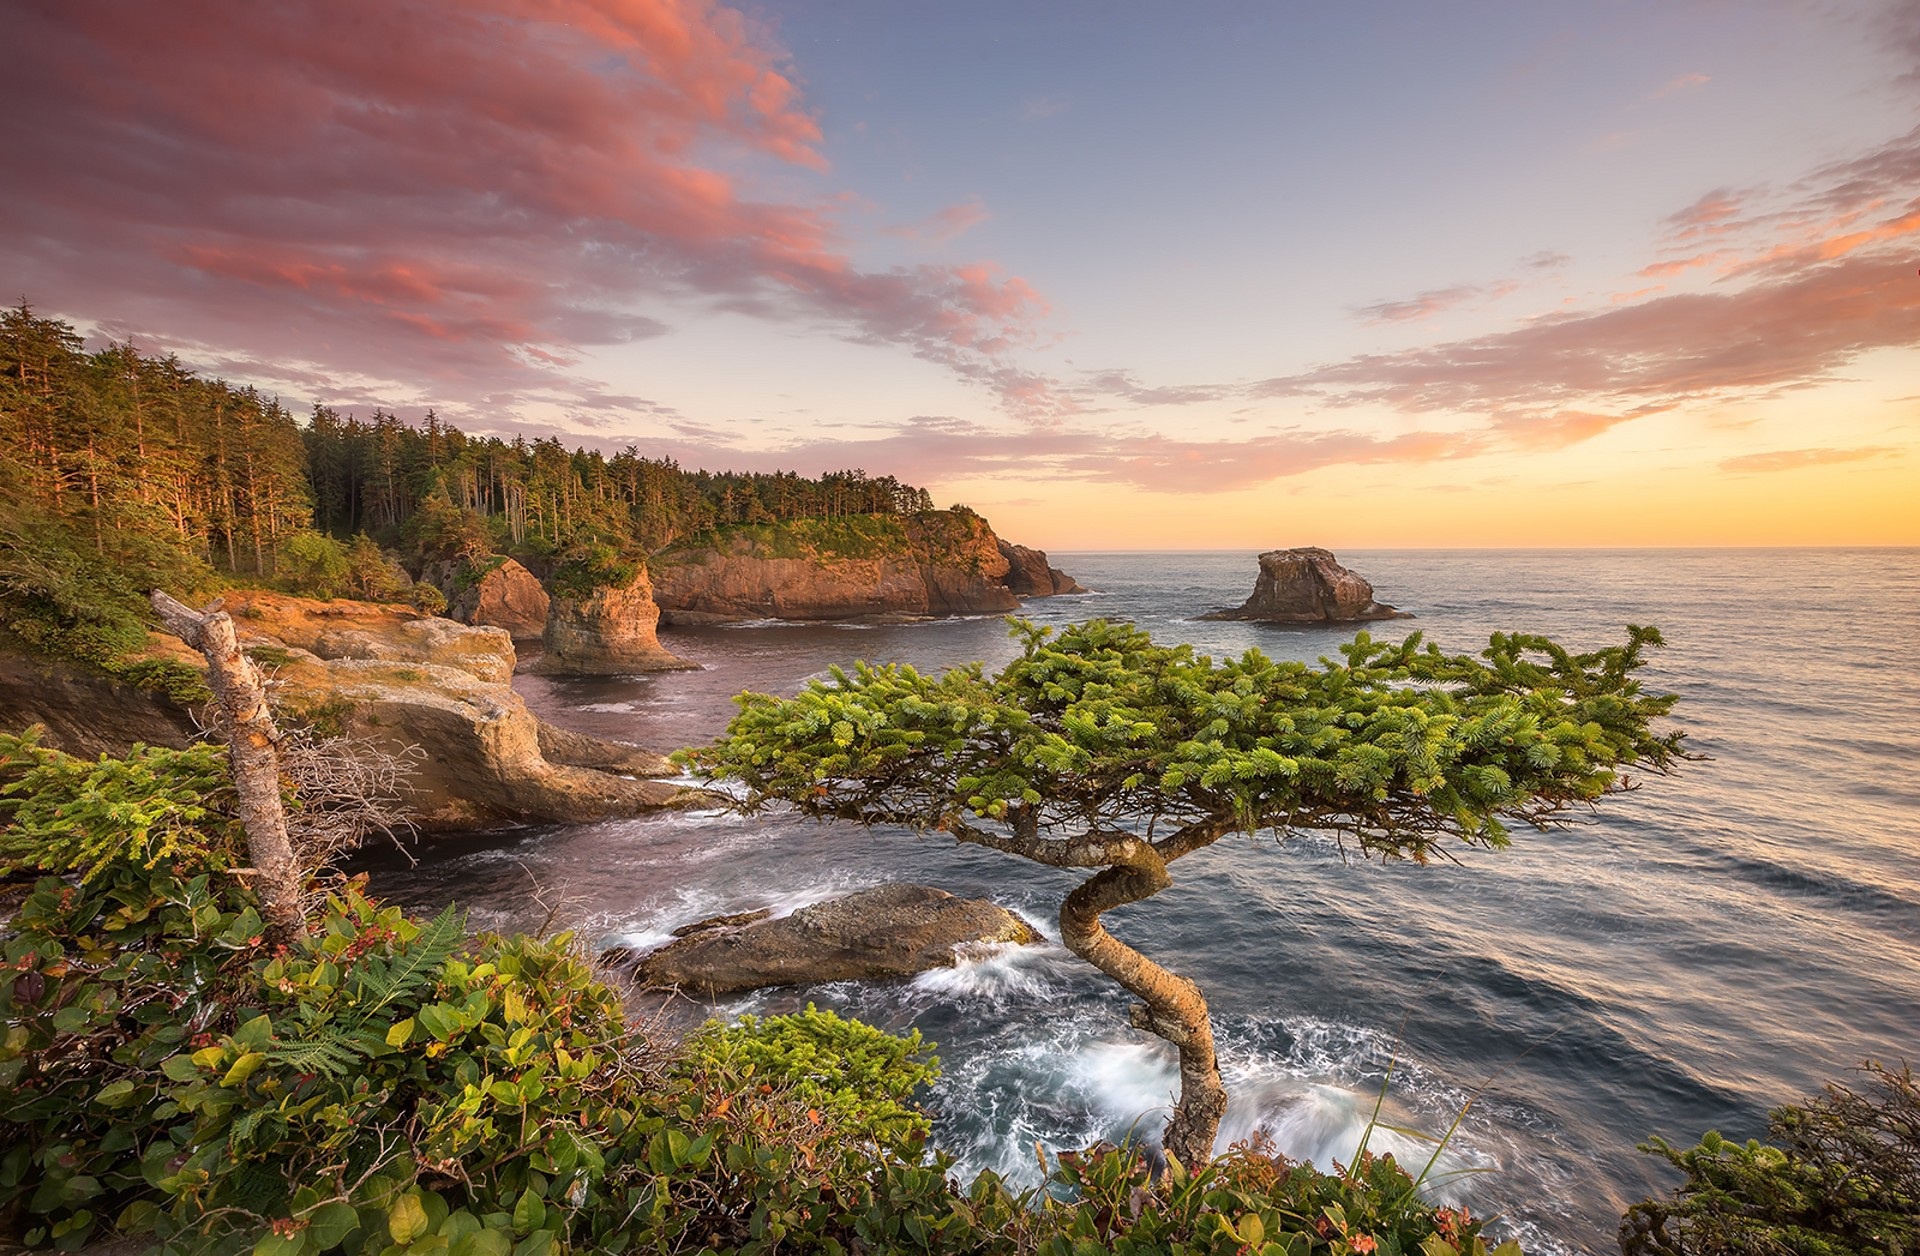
437, 691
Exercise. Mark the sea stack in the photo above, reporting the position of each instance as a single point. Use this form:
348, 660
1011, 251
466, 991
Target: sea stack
609, 632
1308, 586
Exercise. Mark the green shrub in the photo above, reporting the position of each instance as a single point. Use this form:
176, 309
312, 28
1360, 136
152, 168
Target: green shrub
846, 537
1845, 1179
372, 574
427, 599
313, 564
170, 678
589, 566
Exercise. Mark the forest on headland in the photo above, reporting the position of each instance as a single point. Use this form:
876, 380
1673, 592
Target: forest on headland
122, 471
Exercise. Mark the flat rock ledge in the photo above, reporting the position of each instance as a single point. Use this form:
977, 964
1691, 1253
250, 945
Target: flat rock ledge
1308, 586
884, 933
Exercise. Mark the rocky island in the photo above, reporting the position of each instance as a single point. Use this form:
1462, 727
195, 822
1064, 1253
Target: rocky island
1308, 586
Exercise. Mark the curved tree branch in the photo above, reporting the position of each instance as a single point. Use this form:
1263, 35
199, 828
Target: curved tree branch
1172, 1006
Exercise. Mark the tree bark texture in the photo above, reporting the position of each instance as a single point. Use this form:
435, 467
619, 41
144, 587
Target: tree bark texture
251, 740
1173, 1006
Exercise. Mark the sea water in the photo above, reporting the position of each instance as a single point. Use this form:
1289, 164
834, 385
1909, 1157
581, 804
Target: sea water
1705, 947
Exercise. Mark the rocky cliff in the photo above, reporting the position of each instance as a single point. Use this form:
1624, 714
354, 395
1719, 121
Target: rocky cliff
940, 562
500, 594
85, 714
1308, 586
607, 633
1028, 574
385, 677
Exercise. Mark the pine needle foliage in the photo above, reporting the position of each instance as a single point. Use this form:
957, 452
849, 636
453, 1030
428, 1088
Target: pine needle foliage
1840, 1176
1396, 745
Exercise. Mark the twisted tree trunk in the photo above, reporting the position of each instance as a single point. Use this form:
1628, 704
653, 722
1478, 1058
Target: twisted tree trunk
251, 741
1173, 1006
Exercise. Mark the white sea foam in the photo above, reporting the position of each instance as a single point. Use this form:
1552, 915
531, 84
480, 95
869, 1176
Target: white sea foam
997, 973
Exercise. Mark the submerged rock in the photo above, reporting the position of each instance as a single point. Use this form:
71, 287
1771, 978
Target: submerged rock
1308, 586
886, 932
1028, 574
608, 633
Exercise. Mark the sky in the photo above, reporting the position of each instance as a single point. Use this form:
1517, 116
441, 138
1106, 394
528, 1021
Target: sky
1117, 275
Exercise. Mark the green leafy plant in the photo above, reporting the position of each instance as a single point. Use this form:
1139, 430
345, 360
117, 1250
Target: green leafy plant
392, 1087
1843, 1180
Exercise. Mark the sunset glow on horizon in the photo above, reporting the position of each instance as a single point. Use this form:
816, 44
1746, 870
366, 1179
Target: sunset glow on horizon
1223, 277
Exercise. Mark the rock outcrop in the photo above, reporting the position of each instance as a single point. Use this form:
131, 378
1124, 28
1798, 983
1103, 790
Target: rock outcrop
939, 562
1308, 586
608, 633
1028, 574
430, 691
887, 932
87, 715
484, 653
502, 594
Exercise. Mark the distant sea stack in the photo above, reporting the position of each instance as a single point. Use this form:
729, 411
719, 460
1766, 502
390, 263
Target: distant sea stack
1308, 586
1028, 574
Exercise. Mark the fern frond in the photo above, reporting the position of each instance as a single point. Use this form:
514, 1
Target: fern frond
425, 956
332, 1053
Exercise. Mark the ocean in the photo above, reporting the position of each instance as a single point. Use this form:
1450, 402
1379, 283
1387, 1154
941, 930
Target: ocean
1706, 947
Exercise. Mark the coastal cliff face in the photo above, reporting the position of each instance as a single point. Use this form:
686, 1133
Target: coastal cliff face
431, 691
84, 714
1308, 586
1028, 574
608, 633
935, 563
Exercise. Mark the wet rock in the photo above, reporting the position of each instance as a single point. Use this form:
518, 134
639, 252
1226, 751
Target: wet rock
733, 921
1308, 586
887, 932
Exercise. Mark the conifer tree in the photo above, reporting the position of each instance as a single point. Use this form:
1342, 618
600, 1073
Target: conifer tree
1102, 751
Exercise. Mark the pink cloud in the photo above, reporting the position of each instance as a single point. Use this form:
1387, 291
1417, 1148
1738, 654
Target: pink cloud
944, 224
1792, 459
464, 194
1681, 83
1436, 301
937, 448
